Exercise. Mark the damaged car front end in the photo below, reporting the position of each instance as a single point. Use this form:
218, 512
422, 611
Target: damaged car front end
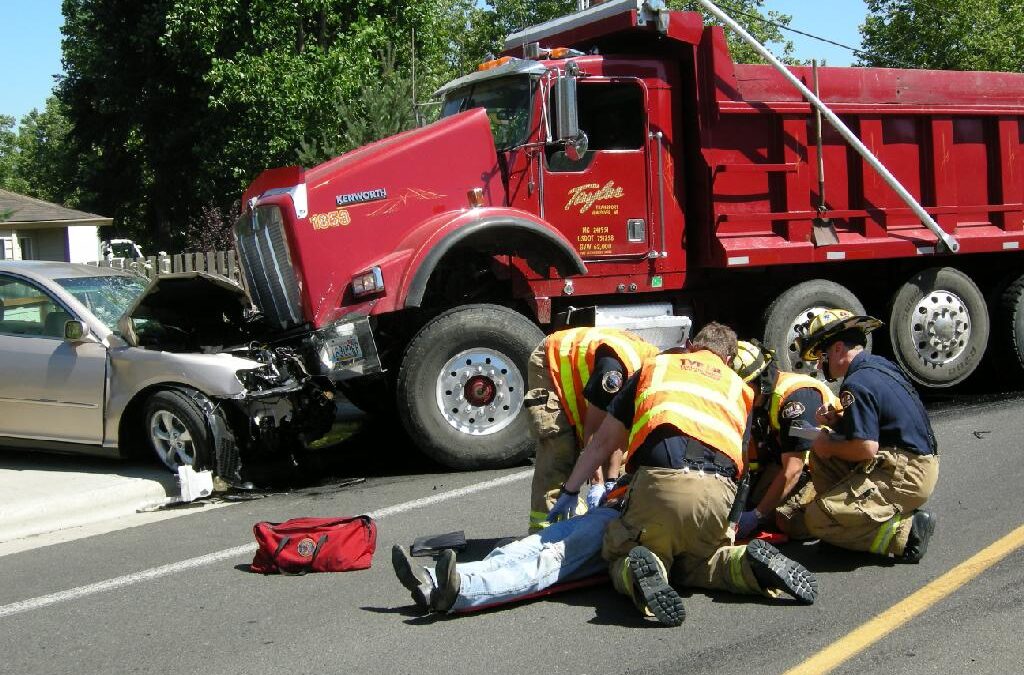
253, 400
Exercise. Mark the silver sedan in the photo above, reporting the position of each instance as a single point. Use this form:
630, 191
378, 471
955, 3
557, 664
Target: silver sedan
103, 362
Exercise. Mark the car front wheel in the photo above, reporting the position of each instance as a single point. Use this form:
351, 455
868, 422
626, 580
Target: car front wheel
176, 431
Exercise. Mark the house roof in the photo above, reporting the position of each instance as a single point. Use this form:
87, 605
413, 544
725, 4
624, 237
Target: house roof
27, 212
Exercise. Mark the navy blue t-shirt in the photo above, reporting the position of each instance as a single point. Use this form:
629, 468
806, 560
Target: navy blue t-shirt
606, 380
882, 409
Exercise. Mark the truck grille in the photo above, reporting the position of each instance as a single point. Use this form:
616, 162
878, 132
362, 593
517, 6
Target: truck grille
267, 265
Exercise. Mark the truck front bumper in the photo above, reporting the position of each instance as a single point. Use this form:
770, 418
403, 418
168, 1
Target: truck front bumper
345, 349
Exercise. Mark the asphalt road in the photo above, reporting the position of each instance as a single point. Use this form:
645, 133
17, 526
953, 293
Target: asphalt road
176, 597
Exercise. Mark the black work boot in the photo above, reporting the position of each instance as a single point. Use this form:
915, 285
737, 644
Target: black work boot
448, 582
922, 528
773, 570
413, 577
650, 586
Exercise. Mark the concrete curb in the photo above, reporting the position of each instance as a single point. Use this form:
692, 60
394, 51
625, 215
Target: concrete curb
41, 495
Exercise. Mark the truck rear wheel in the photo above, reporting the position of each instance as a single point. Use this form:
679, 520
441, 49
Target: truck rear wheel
1009, 336
939, 326
462, 384
796, 306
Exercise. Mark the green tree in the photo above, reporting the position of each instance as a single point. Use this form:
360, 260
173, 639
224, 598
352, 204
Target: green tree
944, 34
10, 170
34, 160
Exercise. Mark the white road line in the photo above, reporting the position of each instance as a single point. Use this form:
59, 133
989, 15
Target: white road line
247, 549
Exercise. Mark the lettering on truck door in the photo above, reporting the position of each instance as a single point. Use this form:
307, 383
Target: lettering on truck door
600, 202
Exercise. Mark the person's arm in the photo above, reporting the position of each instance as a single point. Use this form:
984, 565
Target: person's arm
852, 450
857, 427
782, 484
610, 436
592, 421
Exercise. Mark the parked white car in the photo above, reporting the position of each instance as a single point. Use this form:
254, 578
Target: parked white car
101, 361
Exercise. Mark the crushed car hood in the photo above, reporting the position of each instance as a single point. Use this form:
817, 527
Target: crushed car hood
188, 311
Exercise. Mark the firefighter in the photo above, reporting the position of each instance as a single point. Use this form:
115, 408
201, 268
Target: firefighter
784, 404
873, 475
686, 418
573, 375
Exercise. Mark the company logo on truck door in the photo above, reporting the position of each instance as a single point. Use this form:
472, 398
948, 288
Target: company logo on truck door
585, 196
361, 197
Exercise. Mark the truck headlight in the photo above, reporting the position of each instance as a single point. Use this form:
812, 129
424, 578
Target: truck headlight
370, 281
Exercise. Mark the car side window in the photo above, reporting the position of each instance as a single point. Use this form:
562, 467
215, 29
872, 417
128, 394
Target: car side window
611, 114
26, 309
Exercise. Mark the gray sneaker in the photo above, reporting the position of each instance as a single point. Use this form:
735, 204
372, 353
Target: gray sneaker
448, 582
413, 577
650, 586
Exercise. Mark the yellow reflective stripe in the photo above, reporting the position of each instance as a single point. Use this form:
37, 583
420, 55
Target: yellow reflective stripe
736, 569
734, 406
581, 357
568, 387
699, 416
627, 578
885, 534
657, 378
625, 348
538, 520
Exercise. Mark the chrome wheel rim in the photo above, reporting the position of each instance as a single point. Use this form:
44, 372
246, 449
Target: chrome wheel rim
940, 327
480, 391
797, 363
171, 440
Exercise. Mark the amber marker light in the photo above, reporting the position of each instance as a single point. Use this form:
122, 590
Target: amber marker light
476, 197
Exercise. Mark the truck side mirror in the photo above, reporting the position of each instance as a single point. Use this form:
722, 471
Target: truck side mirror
567, 123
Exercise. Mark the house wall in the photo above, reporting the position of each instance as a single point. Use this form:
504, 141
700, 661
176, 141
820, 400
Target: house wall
83, 243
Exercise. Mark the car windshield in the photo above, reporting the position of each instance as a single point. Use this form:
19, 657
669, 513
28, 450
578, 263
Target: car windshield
507, 101
107, 297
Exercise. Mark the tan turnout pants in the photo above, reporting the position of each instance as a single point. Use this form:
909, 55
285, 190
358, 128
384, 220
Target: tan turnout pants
682, 517
557, 448
866, 506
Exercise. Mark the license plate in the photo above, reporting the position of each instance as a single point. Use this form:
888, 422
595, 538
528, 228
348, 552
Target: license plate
343, 350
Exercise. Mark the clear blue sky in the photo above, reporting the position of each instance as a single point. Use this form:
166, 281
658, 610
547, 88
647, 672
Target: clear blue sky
30, 43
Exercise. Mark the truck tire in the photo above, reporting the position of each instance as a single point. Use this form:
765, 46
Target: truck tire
798, 305
461, 387
1009, 329
176, 431
939, 326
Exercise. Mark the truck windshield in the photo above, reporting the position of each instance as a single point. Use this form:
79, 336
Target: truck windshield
507, 101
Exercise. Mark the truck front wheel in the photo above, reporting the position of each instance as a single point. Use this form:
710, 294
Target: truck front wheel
462, 383
939, 326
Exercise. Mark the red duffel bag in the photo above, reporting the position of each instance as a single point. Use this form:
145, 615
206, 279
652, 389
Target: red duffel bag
302, 545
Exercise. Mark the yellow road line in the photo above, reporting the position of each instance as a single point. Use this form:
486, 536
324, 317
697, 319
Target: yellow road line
874, 630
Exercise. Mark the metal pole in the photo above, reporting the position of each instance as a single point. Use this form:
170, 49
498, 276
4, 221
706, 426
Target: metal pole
947, 240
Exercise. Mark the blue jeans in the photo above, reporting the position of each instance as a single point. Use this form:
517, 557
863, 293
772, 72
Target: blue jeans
567, 550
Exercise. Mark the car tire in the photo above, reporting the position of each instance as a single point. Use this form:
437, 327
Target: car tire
176, 431
939, 327
798, 305
462, 384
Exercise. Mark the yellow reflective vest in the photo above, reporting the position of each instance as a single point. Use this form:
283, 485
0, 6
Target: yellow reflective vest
571, 355
697, 394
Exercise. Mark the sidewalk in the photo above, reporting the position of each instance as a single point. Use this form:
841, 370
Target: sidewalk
41, 493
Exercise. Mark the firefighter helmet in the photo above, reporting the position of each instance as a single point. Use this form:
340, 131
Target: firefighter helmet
827, 324
751, 359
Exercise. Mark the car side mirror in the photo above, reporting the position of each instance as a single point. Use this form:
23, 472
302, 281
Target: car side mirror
76, 331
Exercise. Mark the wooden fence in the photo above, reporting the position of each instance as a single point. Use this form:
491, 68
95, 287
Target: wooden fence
222, 263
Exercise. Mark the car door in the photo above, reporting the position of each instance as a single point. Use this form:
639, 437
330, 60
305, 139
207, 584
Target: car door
51, 389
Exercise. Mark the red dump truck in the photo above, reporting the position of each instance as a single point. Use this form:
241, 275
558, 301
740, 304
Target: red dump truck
617, 167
